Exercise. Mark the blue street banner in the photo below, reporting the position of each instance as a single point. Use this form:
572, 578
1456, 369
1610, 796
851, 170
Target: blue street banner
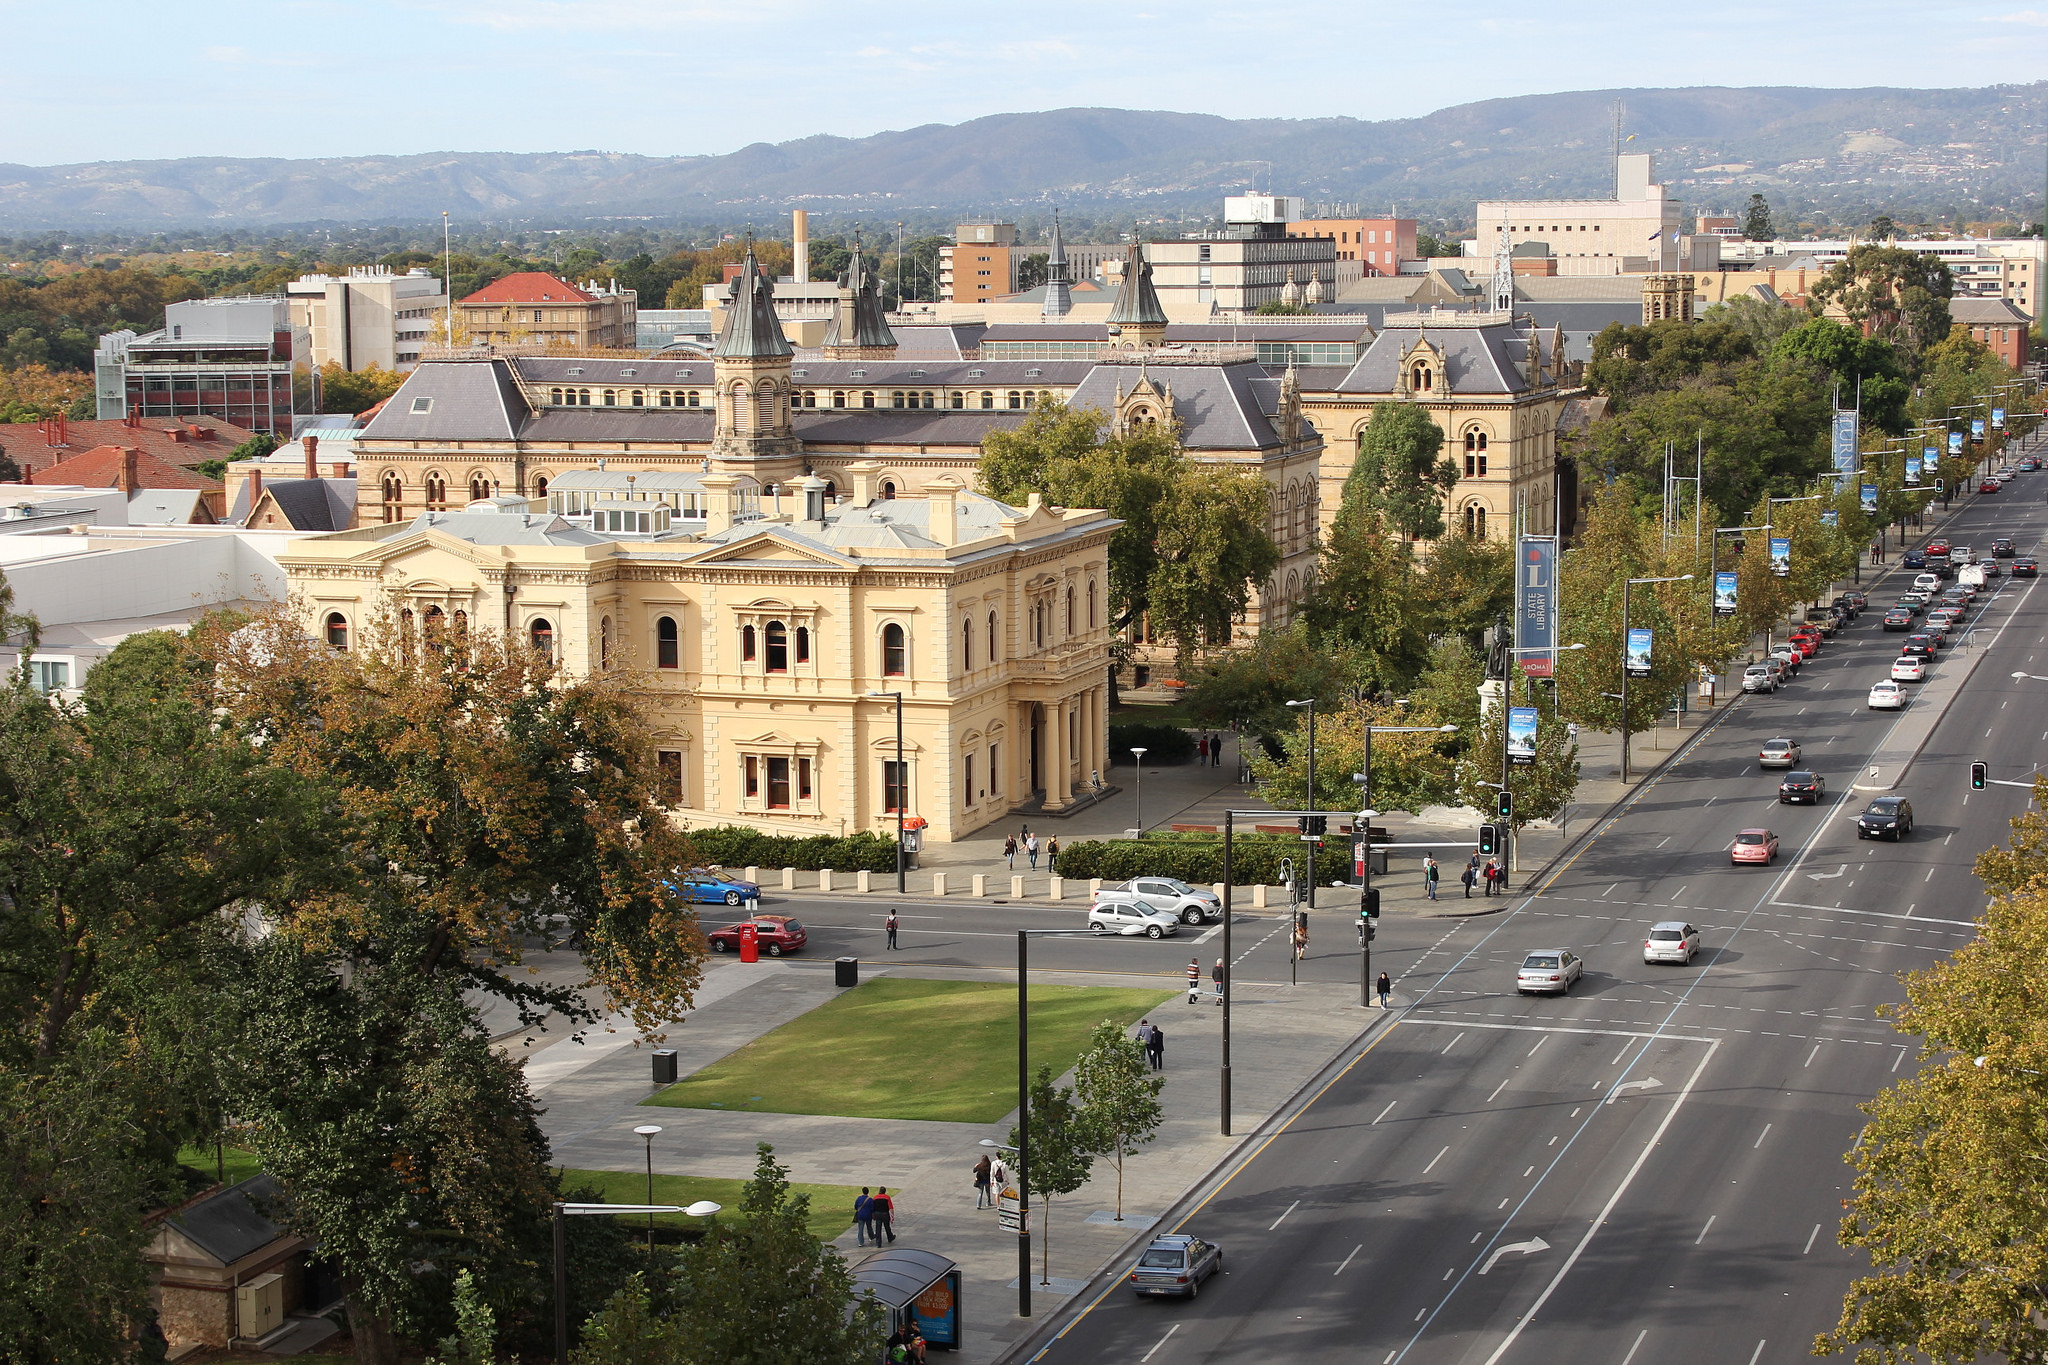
1781, 556
1930, 456
1955, 443
1998, 419
1724, 592
1912, 471
1869, 497
1536, 605
1831, 518
1845, 442
1522, 735
1976, 428
1637, 660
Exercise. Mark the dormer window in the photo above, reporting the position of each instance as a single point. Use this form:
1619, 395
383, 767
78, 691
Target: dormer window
1033, 373
976, 374
860, 374
575, 369
627, 374
917, 374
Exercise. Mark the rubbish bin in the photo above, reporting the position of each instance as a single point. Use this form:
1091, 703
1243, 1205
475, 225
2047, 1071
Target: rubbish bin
846, 971
665, 1066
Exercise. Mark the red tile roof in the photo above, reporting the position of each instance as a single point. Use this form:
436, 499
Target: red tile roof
101, 468
530, 286
35, 445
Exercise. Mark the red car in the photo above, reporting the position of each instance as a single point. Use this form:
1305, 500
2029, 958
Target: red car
1753, 846
1938, 547
1807, 645
777, 934
1988, 486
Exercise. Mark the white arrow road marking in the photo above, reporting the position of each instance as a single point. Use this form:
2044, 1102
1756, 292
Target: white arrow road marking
1533, 1245
1828, 876
1650, 1084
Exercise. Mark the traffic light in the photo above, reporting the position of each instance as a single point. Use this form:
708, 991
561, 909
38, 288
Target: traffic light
1507, 806
1369, 903
1314, 825
1977, 776
1489, 839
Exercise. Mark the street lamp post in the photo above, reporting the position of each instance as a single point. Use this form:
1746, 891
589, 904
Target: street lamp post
1626, 584
1309, 851
703, 1208
1138, 795
902, 796
1365, 818
1024, 937
647, 1131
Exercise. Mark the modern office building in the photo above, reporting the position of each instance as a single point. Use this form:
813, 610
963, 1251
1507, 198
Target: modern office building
981, 265
1379, 244
242, 360
1984, 267
369, 316
1251, 262
1634, 233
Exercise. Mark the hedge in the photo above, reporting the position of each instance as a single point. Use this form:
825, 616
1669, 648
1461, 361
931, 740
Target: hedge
1254, 859
1162, 743
737, 846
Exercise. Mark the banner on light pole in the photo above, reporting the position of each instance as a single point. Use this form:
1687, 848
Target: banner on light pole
1522, 735
1845, 442
1781, 556
1637, 659
1955, 443
1831, 518
1912, 471
1536, 605
1998, 419
1725, 581
1869, 499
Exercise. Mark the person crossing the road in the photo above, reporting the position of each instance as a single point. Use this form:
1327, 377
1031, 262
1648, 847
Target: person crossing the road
889, 924
1386, 988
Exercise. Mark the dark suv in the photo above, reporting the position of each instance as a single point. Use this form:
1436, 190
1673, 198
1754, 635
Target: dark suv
2003, 548
1888, 817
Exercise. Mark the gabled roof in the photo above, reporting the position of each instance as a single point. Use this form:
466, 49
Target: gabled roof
1477, 360
1220, 407
33, 445
530, 286
169, 507
308, 504
452, 400
101, 468
228, 1226
752, 331
1987, 312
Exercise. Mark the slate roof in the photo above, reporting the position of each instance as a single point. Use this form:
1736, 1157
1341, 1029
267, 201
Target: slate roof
908, 426
620, 424
530, 286
315, 504
1987, 312
466, 400
924, 341
611, 370
228, 1226
752, 331
1477, 360
870, 328
953, 374
1137, 302
1220, 407
505, 526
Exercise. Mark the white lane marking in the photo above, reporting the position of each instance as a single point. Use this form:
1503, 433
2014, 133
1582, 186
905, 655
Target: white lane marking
1496, 1092
1928, 878
1951, 834
1875, 914
1297, 1204
1663, 841
1452, 1271
1539, 1043
1609, 891
1760, 1138
1759, 1354
1676, 894
1810, 1238
1384, 1112
1811, 1055
1703, 1231
1420, 1311
1637, 1347
1619, 1055
1496, 1208
1525, 1175
1157, 1344
1900, 1058
1647, 1083
1453, 1043
1425, 1170
1347, 1260
1528, 1248
1712, 799
1208, 935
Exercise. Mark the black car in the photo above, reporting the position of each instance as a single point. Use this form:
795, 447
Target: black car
2003, 548
1802, 786
1888, 817
2025, 566
1898, 618
1913, 559
1923, 645
1847, 605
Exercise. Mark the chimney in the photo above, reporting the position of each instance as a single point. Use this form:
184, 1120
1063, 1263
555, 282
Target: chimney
341, 469
800, 231
134, 419
943, 498
255, 488
312, 447
177, 435
863, 475
814, 499
127, 484
721, 494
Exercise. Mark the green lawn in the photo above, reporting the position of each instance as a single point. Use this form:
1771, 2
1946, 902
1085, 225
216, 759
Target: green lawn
240, 1162
831, 1205
901, 1048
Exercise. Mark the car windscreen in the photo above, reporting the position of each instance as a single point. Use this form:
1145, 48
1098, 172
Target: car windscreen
1156, 1259
1540, 960
1883, 808
1666, 935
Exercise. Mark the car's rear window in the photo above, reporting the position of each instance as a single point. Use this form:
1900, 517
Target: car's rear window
1749, 838
792, 926
1540, 960
1665, 935
1799, 777
1156, 1259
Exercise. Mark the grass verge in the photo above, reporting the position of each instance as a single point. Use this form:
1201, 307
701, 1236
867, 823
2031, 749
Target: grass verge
239, 1163
904, 1048
831, 1205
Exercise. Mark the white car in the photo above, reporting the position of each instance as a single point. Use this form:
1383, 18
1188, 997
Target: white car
1887, 696
1132, 918
1194, 904
1927, 582
1907, 668
1671, 941
1549, 969
1757, 678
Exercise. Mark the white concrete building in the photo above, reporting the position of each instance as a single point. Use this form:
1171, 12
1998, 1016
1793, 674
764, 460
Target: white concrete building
2010, 268
1634, 233
370, 316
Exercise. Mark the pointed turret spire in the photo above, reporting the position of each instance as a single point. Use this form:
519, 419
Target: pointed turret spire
858, 330
752, 331
1137, 316
1059, 295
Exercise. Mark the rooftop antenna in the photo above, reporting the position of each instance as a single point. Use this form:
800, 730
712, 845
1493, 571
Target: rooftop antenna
1620, 111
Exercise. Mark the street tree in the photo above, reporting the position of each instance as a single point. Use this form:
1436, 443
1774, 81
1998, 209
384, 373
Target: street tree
1399, 471
1061, 1152
1756, 221
1119, 1096
1367, 598
1541, 790
1892, 294
1616, 545
1868, 373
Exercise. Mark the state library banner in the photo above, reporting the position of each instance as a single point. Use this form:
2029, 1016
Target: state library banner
1536, 606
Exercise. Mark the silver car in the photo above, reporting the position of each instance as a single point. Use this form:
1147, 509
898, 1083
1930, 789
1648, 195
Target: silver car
1757, 678
1672, 940
1133, 918
1175, 1264
1548, 971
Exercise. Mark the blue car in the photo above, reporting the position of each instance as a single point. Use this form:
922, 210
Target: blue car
708, 886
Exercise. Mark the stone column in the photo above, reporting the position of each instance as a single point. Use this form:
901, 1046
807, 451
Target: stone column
1057, 784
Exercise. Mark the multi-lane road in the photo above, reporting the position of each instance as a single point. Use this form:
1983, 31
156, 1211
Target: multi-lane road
1649, 1170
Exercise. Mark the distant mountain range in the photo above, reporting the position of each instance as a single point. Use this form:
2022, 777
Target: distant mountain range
1825, 148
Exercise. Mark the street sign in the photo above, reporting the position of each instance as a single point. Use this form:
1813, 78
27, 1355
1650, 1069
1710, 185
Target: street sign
1010, 1214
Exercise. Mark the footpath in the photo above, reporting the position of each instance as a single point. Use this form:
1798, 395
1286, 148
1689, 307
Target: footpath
1283, 1037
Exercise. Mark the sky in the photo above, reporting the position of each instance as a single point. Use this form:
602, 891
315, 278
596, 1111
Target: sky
298, 78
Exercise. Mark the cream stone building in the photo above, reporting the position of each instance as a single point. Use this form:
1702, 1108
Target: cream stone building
761, 627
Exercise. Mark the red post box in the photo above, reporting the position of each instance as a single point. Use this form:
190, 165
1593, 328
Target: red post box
750, 944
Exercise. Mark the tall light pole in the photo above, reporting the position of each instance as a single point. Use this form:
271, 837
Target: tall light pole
1365, 817
647, 1131
902, 795
1310, 804
1138, 797
703, 1208
1626, 584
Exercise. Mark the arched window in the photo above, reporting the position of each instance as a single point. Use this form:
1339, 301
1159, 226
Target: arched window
867, 398
479, 487
896, 399
1475, 520
437, 492
394, 496
988, 400
460, 623
540, 486
839, 398
639, 399
1070, 611
433, 629
778, 647
1475, 454
746, 644
888, 490
337, 630
667, 649
604, 642
994, 654
611, 398
967, 644
555, 396
831, 491
1091, 604
803, 644
894, 655
541, 635
1419, 378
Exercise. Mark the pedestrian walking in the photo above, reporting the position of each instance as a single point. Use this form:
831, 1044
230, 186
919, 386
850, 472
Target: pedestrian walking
1216, 751
889, 924
983, 1168
1300, 937
1194, 980
1052, 854
1493, 876
1470, 876
883, 1209
1031, 850
1386, 988
1155, 1047
1220, 977
1202, 750
864, 1218
998, 1176
1010, 852
1429, 874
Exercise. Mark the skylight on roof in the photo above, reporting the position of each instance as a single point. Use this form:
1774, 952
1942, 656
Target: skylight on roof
793, 374
917, 374
627, 374
422, 406
976, 374
860, 374
1031, 372
575, 369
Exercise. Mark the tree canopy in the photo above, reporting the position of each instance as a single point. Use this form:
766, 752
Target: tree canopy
1398, 472
1892, 293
